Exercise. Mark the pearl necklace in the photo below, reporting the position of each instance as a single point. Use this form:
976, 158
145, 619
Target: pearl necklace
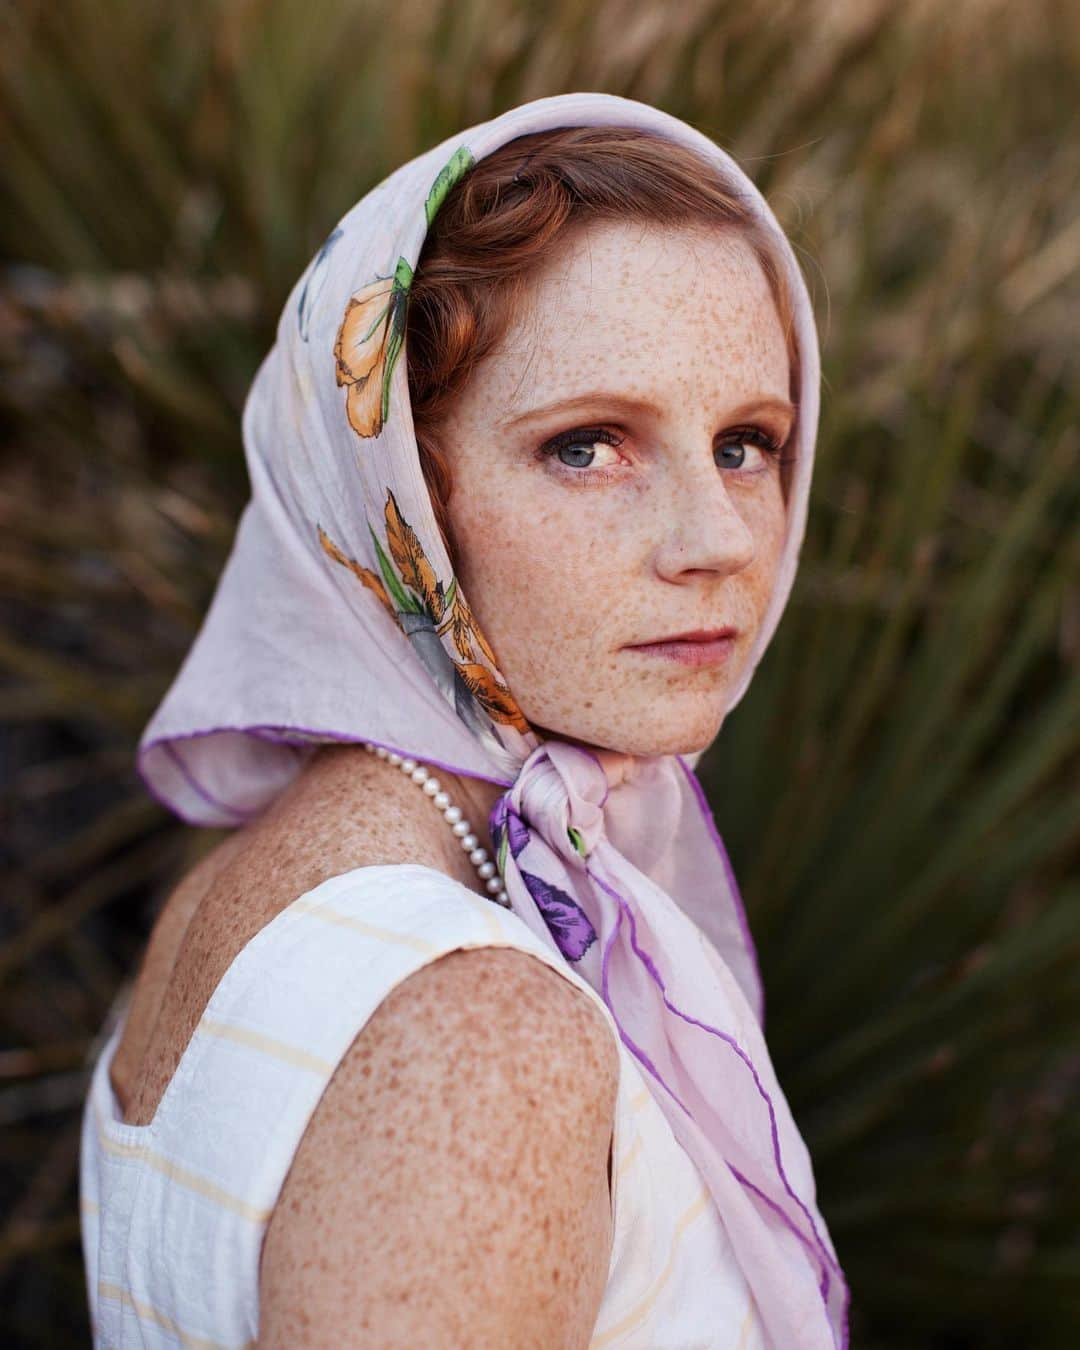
453, 816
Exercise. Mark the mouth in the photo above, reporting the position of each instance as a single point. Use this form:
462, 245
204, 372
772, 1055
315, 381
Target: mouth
702, 647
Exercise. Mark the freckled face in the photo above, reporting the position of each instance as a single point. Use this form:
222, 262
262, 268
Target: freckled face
569, 557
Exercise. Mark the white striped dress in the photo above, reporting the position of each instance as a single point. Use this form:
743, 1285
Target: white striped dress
173, 1212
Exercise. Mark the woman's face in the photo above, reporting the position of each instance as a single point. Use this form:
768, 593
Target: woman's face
667, 341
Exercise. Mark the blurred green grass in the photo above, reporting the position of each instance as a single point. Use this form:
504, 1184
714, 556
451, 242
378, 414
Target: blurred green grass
897, 790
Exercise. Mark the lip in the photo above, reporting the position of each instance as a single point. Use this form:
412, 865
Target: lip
703, 647
695, 635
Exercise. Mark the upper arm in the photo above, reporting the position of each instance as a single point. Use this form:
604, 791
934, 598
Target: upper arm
451, 1187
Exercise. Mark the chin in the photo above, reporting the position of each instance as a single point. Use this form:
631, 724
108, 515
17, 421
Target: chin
670, 745
671, 737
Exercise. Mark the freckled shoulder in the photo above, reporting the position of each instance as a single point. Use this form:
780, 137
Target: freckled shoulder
451, 1187
158, 961
340, 814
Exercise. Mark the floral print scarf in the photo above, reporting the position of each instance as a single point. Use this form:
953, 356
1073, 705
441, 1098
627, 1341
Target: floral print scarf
337, 617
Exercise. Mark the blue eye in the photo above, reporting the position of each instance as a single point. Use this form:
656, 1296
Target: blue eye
743, 436
580, 441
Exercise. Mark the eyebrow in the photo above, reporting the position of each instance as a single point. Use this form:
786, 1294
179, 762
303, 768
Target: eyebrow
632, 404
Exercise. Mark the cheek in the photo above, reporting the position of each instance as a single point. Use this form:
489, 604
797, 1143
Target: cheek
767, 521
530, 580
768, 525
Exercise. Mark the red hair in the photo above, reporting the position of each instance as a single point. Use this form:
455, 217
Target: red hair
509, 214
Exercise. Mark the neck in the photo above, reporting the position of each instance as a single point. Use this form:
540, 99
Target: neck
349, 762
475, 796
618, 765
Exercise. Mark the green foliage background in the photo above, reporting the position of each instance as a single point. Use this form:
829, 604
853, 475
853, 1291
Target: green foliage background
898, 789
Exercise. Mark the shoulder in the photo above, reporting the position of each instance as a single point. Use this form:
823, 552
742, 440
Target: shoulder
330, 820
345, 809
159, 961
499, 1009
468, 1123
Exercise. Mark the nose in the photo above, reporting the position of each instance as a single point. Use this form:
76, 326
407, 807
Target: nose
703, 528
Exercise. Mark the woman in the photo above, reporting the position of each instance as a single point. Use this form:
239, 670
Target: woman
471, 1054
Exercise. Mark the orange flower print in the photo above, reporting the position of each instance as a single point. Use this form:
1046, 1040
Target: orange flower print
407, 587
370, 579
493, 696
368, 344
373, 327
464, 631
411, 562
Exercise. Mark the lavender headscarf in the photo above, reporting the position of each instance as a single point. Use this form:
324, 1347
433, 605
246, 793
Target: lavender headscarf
337, 617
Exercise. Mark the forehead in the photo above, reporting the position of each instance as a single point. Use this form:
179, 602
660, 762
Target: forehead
640, 305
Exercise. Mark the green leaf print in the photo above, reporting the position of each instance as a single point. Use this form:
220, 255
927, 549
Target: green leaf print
456, 167
400, 596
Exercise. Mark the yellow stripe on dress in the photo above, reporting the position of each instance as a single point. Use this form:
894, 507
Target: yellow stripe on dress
314, 910
629, 1156
639, 1101
266, 1045
183, 1176
747, 1321
488, 911
147, 1313
642, 1309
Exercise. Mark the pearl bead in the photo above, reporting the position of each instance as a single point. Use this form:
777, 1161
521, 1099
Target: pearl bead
454, 817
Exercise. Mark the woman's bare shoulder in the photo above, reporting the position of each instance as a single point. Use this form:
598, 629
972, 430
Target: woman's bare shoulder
330, 820
452, 1185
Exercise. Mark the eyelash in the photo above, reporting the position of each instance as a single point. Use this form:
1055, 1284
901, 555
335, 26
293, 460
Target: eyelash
588, 436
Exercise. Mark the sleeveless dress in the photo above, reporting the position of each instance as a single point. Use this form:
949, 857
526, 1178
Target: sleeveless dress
173, 1212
